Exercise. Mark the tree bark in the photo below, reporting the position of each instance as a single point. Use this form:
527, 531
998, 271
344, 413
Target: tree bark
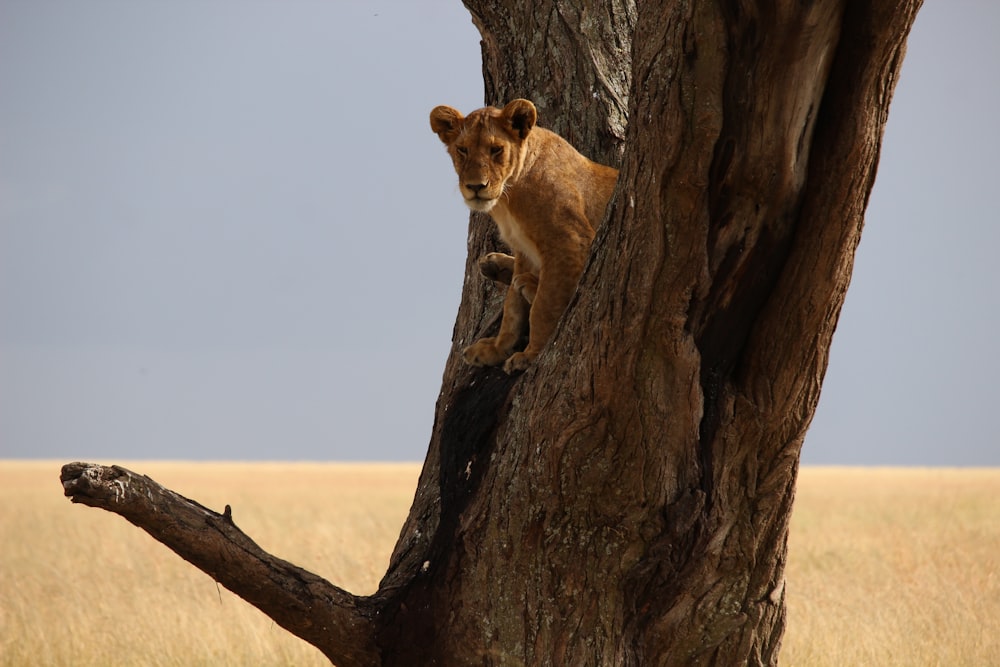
626, 500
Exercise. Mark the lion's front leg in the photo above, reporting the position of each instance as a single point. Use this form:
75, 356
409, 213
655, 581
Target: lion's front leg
493, 351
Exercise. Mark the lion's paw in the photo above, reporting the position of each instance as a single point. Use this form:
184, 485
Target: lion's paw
518, 362
483, 352
498, 267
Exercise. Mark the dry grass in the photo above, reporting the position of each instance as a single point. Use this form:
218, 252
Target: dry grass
83, 587
886, 567
894, 567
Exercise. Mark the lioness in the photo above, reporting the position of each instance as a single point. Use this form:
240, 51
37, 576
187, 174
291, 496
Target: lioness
546, 200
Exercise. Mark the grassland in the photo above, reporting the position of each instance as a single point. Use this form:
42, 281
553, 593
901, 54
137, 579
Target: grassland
886, 567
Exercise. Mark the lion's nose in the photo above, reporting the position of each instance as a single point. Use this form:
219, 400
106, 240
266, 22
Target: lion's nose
475, 187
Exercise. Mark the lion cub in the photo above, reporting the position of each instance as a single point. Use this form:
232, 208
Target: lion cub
545, 198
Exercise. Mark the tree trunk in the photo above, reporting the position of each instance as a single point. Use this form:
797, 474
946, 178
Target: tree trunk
626, 500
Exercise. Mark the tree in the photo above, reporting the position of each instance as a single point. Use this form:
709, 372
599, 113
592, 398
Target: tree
626, 500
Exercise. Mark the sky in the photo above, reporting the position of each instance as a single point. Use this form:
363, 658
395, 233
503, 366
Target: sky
227, 232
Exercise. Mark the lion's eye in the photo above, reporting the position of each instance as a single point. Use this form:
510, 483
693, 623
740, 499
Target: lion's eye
496, 151
462, 150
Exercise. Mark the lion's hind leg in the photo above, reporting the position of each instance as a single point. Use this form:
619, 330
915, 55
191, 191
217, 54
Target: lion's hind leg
526, 284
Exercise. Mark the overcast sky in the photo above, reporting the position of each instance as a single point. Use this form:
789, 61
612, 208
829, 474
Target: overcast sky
227, 232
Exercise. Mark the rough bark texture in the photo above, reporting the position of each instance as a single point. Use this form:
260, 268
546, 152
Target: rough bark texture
626, 500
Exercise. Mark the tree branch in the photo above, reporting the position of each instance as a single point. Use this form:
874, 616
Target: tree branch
336, 622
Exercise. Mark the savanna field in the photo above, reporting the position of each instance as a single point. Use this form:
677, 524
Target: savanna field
886, 566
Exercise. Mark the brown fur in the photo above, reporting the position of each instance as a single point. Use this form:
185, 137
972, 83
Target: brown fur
546, 200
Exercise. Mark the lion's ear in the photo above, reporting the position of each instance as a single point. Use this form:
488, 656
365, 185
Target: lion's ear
521, 114
446, 123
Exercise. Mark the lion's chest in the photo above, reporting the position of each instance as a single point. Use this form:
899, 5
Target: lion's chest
513, 234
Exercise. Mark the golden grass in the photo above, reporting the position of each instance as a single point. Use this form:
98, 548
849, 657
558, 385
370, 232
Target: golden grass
894, 567
886, 567
83, 587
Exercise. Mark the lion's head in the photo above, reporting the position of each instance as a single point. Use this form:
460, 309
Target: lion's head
487, 147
